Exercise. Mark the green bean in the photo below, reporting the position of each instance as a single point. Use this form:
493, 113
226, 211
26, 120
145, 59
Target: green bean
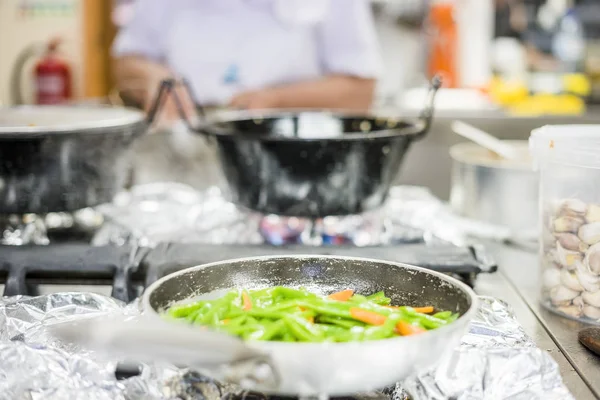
273, 330
428, 321
298, 331
297, 315
287, 337
185, 309
344, 323
380, 298
453, 317
443, 315
333, 310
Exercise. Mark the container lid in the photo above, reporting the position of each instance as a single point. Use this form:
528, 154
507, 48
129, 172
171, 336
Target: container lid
27, 121
573, 145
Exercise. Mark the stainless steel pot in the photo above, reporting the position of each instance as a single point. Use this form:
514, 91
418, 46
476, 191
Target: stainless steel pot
500, 192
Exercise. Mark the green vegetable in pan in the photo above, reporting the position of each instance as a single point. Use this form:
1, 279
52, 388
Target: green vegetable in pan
296, 315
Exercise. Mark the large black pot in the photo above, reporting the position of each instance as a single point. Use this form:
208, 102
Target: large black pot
64, 158
309, 163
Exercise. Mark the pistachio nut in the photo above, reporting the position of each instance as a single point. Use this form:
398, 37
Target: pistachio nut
567, 224
593, 213
562, 296
590, 233
569, 279
567, 258
578, 301
592, 259
591, 298
590, 282
569, 241
573, 207
591, 312
572, 311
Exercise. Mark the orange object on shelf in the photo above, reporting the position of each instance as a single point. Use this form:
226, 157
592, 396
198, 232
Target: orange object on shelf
443, 43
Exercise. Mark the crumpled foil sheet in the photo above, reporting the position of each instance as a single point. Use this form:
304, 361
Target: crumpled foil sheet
170, 212
496, 360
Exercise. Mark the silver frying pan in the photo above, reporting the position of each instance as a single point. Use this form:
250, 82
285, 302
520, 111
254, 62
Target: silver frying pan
295, 369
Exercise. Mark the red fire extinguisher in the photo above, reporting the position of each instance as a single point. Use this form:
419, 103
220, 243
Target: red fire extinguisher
51, 75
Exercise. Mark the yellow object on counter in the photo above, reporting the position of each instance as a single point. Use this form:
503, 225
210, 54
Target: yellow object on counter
546, 104
577, 84
506, 93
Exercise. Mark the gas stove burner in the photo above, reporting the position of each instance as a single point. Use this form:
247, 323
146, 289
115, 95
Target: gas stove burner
18, 230
357, 230
34, 229
167, 212
283, 230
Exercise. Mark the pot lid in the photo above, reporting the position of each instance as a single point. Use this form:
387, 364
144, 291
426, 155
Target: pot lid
41, 120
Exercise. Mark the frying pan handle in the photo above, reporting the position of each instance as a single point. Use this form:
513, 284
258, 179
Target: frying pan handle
166, 88
427, 113
145, 339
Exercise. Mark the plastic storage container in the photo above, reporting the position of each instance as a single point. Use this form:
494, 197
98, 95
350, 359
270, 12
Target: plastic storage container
568, 160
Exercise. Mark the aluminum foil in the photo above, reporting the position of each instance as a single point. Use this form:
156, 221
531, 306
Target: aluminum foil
496, 360
170, 212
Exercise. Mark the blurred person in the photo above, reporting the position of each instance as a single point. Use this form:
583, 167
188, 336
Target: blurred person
510, 19
251, 54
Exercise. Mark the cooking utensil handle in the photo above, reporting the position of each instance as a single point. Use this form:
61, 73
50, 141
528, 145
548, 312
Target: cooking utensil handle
145, 339
166, 88
426, 115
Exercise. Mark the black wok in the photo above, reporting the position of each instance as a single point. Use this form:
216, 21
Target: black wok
308, 163
64, 158
333, 368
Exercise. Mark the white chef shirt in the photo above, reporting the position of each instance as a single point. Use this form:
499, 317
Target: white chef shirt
223, 47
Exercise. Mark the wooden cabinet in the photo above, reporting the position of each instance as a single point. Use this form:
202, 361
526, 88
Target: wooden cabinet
98, 33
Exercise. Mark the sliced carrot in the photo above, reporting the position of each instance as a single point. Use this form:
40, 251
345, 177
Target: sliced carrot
343, 295
424, 310
406, 329
246, 302
366, 316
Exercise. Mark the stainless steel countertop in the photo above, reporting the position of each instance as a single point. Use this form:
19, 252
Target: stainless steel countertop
517, 284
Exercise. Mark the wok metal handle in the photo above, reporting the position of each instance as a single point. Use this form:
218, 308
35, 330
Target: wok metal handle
166, 88
426, 115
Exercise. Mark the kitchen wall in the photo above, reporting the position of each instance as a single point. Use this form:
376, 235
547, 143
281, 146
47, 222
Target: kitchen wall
402, 53
20, 27
25, 22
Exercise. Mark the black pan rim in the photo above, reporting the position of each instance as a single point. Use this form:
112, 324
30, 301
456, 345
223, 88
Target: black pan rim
210, 125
